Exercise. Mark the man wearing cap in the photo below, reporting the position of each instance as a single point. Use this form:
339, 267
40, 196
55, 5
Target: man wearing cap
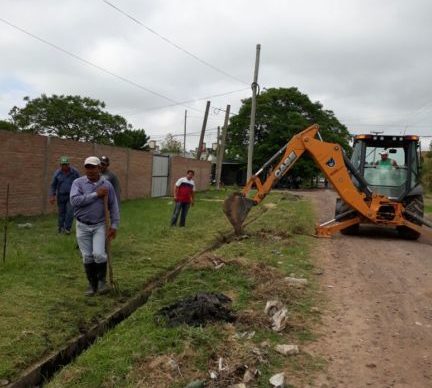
110, 176
60, 189
87, 198
385, 161
184, 195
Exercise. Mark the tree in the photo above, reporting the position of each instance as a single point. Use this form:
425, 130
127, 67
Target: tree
135, 139
171, 146
426, 172
6, 125
69, 117
281, 113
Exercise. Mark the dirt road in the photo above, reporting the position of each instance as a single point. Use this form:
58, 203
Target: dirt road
377, 326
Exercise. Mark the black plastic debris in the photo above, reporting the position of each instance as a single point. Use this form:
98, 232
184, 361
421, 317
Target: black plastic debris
198, 310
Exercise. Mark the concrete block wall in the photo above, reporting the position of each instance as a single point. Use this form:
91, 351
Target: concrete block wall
27, 163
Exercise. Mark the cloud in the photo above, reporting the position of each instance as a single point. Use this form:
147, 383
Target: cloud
367, 61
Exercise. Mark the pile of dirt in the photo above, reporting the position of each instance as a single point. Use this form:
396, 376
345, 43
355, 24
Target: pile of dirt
198, 310
291, 197
272, 235
208, 261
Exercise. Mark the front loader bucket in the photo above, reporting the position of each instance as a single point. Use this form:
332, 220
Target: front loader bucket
236, 208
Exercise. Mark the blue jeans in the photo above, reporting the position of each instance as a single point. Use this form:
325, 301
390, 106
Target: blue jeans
91, 242
65, 212
183, 207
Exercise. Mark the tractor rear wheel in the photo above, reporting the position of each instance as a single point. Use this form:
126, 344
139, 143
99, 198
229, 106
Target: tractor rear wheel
415, 205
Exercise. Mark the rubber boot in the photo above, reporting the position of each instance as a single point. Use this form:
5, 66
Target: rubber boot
90, 270
103, 288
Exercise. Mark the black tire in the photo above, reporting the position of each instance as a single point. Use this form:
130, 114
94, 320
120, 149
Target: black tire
342, 207
415, 205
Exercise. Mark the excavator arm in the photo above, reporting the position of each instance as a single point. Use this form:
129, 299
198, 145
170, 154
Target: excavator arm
329, 157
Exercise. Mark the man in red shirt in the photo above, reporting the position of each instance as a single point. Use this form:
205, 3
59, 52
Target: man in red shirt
184, 194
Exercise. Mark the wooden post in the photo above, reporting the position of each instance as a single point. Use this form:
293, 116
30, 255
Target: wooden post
6, 221
184, 135
128, 151
45, 175
253, 112
221, 148
201, 141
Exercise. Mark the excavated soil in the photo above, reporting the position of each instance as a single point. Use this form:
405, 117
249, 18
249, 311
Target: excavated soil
377, 325
198, 310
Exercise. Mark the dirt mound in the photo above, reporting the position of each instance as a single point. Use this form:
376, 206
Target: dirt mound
198, 310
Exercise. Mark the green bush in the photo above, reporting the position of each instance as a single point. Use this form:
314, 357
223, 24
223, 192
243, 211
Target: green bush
427, 174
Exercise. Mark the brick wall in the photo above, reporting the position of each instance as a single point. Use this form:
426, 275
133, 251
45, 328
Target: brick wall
27, 163
179, 167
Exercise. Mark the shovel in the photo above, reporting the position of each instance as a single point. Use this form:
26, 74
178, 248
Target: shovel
114, 285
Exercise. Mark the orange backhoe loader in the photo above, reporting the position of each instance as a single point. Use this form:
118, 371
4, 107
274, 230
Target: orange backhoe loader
371, 189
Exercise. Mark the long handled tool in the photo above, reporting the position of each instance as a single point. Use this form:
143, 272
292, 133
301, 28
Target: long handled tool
114, 285
6, 224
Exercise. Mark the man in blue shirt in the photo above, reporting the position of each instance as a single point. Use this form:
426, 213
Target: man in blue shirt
87, 197
60, 189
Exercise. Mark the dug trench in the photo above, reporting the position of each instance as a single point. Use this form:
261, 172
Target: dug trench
254, 271
40, 372
372, 330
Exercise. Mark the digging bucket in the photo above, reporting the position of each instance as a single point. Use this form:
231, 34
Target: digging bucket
236, 207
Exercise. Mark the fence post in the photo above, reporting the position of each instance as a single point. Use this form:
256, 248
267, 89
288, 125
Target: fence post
127, 172
45, 181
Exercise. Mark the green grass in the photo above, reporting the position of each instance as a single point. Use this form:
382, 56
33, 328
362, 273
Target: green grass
278, 243
42, 282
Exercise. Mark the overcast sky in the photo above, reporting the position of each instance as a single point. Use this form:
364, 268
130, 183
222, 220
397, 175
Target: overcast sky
368, 61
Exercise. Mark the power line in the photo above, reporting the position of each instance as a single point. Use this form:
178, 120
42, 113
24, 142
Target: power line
388, 125
124, 79
191, 101
210, 131
177, 46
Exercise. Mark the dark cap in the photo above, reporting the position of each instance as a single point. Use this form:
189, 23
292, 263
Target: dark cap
104, 159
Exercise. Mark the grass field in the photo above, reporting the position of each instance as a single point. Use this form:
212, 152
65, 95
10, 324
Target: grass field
42, 282
138, 352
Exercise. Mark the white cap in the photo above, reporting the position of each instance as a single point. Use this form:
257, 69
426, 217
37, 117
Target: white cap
92, 160
384, 152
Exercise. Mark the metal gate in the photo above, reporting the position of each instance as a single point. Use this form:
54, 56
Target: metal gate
160, 175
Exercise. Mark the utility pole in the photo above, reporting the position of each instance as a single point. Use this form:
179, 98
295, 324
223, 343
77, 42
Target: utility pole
184, 135
221, 148
253, 111
201, 141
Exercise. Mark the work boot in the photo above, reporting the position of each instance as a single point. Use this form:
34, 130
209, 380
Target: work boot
102, 287
91, 273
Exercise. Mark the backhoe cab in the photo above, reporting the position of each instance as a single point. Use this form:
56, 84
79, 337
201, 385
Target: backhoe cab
391, 166
378, 185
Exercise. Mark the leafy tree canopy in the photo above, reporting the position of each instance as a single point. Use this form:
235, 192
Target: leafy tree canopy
135, 139
171, 146
281, 113
69, 117
6, 125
